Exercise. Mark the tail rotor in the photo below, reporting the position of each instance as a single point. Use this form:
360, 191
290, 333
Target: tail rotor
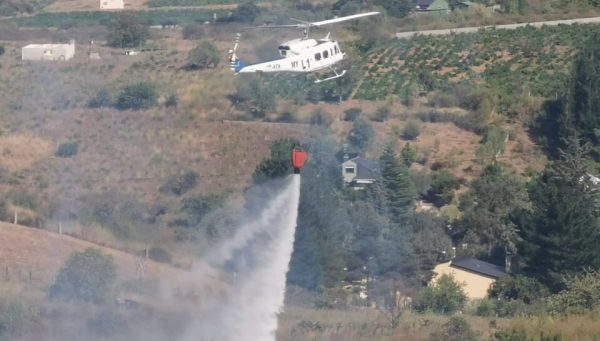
235, 64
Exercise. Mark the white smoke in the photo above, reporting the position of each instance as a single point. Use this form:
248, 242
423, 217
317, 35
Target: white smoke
260, 252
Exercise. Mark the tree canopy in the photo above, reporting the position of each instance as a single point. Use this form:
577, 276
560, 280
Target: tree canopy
87, 276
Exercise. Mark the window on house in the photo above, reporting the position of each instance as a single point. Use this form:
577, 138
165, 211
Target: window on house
349, 170
317, 56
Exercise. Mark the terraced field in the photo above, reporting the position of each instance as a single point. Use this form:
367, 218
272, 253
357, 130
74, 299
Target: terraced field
526, 59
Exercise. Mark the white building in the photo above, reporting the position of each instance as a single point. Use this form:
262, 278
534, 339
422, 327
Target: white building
112, 4
48, 51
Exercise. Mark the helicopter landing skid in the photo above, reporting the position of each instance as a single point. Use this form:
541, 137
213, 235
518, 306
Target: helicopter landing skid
337, 75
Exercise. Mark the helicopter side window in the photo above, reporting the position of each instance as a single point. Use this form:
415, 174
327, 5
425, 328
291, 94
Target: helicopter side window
336, 49
325, 54
317, 56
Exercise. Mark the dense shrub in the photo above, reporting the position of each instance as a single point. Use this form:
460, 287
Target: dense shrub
193, 31
361, 135
1, 50
67, 149
199, 206
100, 100
445, 296
352, 114
86, 276
127, 31
320, 118
456, 329
526, 289
159, 254
107, 323
171, 101
411, 130
180, 184
582, 293
442, 188
287, 117
204, 56
381, 114
16, 317
137, 96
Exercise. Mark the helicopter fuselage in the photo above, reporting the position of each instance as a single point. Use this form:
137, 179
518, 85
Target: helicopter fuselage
301, 55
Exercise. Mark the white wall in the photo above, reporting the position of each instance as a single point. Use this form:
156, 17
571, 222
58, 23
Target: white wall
112, 4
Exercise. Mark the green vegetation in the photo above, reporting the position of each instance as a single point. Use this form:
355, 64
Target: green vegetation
87, 276
445, 297
180, 184
127, 31
206, 55
509, 62
137, 96
67, 149
85, 18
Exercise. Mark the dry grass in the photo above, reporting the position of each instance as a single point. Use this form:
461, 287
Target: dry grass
22, 152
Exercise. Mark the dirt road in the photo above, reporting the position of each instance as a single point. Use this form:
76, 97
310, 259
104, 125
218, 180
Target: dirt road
594, 20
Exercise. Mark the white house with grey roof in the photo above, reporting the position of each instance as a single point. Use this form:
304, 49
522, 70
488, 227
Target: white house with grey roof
474, 275
359, 172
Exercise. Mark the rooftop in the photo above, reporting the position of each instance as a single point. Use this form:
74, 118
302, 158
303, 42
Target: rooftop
479, 266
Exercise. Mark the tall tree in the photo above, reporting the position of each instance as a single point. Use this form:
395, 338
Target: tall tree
582, 116
400, 191
487, 206
361, 135
561, 233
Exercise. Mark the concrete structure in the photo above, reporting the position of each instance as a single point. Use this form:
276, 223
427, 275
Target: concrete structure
474, 275
48, 52
112, 4
358, 172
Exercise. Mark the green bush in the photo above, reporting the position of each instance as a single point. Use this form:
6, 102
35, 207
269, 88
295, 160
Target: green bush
137, 96
16, 317
456, 329
446, 296
1, 50
442, 188
100, 100
582, 293
127, 30
67, 149
352, 114
193, 31
180, 184
320, 118
87, 276
361, 135
411, 130
159, 254
204, 56
381, 114
171, 101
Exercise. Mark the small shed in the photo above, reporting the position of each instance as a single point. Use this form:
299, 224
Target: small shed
112, 4
475, 276
48, 52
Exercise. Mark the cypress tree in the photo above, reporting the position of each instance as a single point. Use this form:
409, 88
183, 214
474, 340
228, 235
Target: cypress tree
400, 191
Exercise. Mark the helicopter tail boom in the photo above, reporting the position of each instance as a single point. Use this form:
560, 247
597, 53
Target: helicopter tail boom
235, 64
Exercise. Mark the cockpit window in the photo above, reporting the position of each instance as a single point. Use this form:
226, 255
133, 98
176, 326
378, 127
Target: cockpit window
284, 47
325, 54
317, 56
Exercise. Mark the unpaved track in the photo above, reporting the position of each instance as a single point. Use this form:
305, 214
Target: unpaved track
594, 20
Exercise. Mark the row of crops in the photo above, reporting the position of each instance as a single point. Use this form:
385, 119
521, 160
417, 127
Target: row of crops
84, 18
507, 60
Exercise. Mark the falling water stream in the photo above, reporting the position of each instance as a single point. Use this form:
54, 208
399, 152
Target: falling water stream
260, 252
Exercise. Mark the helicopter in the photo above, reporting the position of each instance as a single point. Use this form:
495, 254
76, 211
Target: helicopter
302, 55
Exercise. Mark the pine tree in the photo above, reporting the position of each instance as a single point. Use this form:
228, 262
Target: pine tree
582, 116
400, 190
561, 233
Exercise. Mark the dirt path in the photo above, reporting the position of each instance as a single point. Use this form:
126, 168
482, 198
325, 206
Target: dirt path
94, 5
594, 20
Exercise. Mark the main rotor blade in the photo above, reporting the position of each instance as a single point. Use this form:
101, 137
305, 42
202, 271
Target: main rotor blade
336, 20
